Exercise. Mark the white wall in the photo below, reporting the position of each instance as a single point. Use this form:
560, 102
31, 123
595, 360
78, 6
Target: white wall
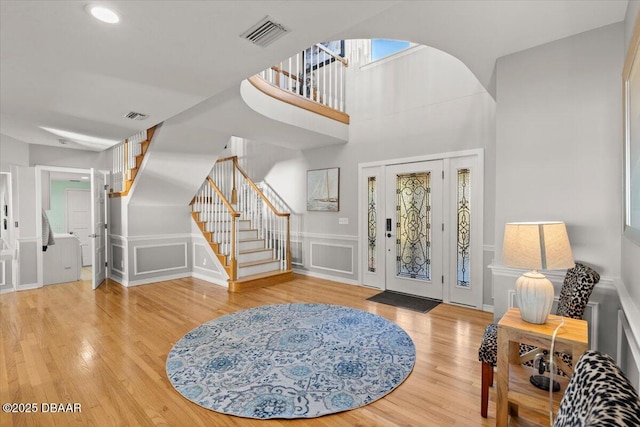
424, 102
558, 153
14, 152
66, 157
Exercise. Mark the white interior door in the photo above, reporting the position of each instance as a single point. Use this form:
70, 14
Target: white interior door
413, 228
98, 243
78, 216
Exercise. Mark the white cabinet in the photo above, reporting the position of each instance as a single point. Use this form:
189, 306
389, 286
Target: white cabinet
61, 262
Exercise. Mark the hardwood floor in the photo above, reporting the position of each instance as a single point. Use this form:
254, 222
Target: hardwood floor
106, 350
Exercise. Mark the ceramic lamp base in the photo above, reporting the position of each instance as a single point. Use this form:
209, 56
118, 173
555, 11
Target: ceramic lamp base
534, 294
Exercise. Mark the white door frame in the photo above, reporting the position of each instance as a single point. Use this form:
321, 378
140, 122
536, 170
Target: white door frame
39, 169
10, 233
478, 212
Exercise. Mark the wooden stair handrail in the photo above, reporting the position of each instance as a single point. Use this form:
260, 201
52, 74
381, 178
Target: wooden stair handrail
127, 172
253, 185
233, 263
266, 201
224, 199
334, 55
297, 100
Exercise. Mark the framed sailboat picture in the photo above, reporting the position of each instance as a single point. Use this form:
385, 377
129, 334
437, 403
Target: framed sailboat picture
323, 186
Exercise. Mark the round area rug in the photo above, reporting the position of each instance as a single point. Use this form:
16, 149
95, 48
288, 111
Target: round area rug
291, 361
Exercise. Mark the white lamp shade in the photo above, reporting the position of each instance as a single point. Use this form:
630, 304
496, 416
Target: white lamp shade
537, 246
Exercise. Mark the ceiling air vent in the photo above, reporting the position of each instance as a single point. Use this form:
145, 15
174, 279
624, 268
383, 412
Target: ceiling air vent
264, 32
136, 116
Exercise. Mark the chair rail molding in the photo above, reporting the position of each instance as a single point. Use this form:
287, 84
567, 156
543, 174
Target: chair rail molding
556, 276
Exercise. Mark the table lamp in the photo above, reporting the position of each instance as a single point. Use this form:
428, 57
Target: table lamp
535, 246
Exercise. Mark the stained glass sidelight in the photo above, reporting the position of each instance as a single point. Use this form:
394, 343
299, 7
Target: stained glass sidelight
372, 223
413, 226
464, 227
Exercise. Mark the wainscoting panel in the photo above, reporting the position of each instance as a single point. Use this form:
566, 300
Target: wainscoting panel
6, 283
148, 259
118, 259
28, 271
202, 258
591, 315
628, 351
332, 257
296, 253
206, 265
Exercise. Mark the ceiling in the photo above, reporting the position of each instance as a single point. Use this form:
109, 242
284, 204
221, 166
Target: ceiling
62, 69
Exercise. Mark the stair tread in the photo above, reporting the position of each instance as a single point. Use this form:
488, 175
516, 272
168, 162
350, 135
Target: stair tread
261, 276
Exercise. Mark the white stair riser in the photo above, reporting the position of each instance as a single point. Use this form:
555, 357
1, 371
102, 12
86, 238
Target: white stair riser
250, 244
260, 268
242, 235
255, 256
225, 225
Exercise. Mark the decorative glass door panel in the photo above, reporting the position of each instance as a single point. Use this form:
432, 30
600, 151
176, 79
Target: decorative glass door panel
372, 224
413, 225
465, 238
414, 228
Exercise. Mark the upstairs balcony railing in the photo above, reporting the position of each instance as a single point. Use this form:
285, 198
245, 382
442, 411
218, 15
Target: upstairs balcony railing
126, 158
317, 74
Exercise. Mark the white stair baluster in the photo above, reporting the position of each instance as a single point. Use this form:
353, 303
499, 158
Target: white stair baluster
324, 79
298, 86
289, 79
341, 92
305, 90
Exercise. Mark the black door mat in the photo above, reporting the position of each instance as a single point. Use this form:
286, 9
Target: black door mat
401, 300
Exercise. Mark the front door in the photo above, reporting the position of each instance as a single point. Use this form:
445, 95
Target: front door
413, 228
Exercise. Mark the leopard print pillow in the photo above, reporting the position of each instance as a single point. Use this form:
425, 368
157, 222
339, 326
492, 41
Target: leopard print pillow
598, 395
576, 290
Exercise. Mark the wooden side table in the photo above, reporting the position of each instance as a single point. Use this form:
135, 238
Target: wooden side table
571, 338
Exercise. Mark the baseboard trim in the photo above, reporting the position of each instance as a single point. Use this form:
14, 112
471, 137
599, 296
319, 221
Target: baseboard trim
130, 283
326, 277
222, 283
488, 308
28, 287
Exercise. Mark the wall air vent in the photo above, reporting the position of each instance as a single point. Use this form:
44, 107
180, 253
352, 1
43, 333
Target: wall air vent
136, 116
264, 32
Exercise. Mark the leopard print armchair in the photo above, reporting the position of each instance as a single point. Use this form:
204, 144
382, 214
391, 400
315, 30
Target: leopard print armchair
574, 295
598, 394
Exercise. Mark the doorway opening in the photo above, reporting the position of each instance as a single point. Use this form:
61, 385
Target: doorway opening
72, 203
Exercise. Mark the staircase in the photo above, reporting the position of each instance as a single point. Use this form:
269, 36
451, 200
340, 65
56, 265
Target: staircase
127, 158
250, 238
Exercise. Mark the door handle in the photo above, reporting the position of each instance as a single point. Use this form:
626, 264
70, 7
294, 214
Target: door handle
93, 236
389, 234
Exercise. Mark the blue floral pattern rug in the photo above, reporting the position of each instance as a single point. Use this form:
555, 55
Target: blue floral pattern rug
291, 361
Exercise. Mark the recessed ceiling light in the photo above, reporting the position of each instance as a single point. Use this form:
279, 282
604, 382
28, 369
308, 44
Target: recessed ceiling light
84, 177
103, 14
